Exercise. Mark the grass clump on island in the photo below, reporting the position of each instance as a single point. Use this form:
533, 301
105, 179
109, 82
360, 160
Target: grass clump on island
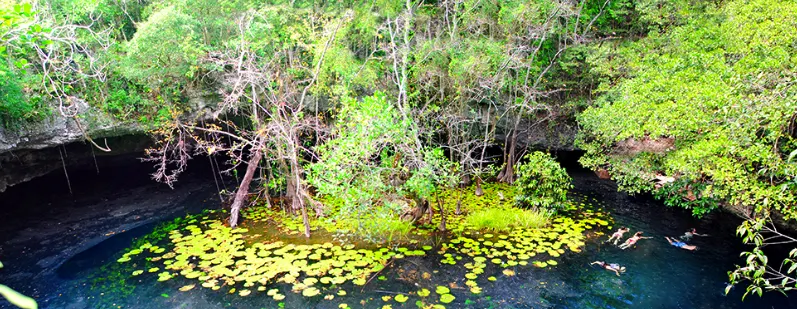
505, 219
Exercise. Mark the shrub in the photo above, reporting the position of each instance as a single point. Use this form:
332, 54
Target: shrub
15, 108
541, 182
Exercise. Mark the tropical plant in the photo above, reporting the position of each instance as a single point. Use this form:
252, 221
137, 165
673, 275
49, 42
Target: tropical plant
541, 182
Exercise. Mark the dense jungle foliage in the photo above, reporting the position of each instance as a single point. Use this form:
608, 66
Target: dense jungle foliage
383, 105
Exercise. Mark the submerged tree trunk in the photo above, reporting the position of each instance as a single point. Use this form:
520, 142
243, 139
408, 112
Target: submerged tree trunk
243, 190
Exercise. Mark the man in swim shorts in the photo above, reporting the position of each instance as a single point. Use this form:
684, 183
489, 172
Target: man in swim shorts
680, 244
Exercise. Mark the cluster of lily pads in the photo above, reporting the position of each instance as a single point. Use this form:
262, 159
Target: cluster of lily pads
216, 256
538, 247
250, 260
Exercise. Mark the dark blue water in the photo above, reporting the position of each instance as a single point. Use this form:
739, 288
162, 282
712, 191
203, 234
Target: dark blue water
658, 275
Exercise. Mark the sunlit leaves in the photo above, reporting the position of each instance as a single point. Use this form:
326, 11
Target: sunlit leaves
714, 85
166, 48
541, 181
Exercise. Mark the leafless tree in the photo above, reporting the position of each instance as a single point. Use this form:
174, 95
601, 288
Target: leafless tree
264, 89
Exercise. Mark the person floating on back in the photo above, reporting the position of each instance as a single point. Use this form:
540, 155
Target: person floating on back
689, 234
616, 268
618, 235
632, 241
681, 244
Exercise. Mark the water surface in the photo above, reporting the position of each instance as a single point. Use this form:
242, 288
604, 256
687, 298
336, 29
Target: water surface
658, 276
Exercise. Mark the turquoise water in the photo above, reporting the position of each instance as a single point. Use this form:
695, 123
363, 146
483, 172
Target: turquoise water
658, 275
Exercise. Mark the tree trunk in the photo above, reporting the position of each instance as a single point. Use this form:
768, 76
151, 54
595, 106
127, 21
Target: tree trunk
299, 192
508, 173
459, 204
243, 190
442, 213
509, 167
464, 180
502, 174
289, 186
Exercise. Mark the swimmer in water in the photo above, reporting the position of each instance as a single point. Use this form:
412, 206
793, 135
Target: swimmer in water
616, 268
632, 241
618, 235
689, 234
681, 244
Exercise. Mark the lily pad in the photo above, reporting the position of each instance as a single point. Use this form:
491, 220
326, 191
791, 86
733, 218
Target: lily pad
424, 292
310, 292
401, 298
447, 298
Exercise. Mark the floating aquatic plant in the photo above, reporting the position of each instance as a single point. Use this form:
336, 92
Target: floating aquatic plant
401, 298
424, 292
187, 287
447, 298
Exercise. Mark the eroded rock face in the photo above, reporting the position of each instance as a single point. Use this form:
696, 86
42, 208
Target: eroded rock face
36, 149
59, 130
21, 165
39, 148
632, 146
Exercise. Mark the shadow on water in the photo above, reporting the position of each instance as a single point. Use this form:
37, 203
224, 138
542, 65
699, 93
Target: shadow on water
102, 253
109, 249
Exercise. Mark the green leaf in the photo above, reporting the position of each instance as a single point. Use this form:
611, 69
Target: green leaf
18, 299
446, 298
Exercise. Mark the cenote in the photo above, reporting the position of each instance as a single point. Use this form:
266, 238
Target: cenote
199, 154
398, 154
189, 259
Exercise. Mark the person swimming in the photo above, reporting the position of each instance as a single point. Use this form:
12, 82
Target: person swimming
616, 268
632, 241
689, 234
618, 235
681, 244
